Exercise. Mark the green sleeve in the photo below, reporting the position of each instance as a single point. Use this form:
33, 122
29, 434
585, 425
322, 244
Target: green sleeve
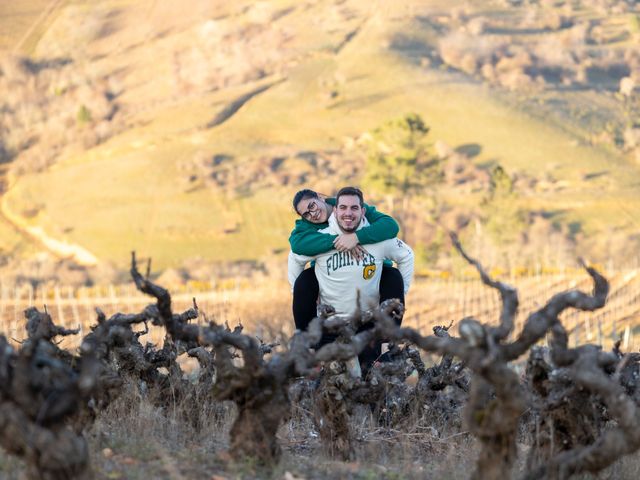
306, 240
381, 227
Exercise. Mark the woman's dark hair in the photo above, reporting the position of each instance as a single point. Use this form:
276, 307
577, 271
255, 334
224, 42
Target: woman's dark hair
303, 195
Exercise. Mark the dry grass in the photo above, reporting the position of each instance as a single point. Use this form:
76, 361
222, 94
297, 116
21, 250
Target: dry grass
133, 439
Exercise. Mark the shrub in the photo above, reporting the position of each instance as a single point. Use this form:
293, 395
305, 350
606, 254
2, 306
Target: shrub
84, 115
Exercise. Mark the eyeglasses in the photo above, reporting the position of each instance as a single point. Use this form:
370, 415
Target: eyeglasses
312, 207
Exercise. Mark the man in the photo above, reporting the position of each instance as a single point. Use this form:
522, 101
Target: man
308, 239
345, 279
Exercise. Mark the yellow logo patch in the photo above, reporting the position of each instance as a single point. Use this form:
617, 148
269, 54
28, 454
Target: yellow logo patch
368, 272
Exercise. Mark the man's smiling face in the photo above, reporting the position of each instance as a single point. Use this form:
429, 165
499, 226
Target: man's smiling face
349, 213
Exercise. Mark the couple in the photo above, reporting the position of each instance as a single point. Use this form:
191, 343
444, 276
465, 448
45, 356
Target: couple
352, 246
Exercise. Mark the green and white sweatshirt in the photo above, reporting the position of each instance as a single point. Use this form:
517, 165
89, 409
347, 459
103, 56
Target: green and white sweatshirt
341, 277
306, 238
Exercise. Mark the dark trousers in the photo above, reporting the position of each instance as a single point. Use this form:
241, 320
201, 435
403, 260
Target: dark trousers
305, 300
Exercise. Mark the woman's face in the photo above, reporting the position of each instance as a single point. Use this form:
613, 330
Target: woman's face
313, 210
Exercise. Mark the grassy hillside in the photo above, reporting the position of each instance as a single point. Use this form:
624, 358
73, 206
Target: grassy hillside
24, 22
329, 72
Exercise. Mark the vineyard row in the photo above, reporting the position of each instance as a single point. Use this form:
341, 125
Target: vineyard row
266, 307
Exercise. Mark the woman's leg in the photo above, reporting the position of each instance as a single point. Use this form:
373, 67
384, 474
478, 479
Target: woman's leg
305, 303
391, 286
305, 298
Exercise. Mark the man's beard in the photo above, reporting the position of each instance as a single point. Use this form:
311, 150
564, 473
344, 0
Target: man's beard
351, 229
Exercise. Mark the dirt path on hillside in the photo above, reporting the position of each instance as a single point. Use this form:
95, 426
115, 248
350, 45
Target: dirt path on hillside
3, 219
232, 108
47, 13
59, 248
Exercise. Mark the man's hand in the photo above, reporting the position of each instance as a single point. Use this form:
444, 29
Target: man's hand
346, 241
358, 252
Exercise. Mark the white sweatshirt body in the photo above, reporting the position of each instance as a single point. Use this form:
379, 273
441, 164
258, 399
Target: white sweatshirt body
341, 277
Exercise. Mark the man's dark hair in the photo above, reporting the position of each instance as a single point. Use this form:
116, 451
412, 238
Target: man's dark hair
350, 191
302, 195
